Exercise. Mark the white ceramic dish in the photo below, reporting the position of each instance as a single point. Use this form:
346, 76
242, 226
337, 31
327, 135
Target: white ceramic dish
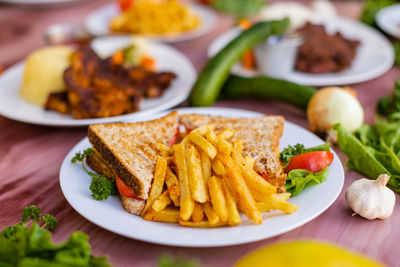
168, 59
374, 55
97, 24
110, 215
388, 19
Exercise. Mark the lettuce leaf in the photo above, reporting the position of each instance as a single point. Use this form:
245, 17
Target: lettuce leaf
299, 179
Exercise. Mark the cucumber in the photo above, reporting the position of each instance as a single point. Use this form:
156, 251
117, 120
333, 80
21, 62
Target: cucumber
268, 88
215, 73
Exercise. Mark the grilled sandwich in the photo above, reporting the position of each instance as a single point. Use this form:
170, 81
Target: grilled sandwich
260, 137
128, 150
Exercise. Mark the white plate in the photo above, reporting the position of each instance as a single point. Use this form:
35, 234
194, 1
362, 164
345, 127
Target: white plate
110, 215
168, 59
374, 55
388, 19
97, 23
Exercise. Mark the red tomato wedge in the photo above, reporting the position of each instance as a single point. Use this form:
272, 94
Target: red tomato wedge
125, 4
313, 161
123, 189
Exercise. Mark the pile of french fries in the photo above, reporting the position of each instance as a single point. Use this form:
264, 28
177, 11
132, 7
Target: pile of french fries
208, 181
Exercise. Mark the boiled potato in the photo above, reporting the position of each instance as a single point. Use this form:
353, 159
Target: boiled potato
43, 73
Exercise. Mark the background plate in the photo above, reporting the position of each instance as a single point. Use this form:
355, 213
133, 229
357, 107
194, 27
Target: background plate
168, 59
388, 19
98, 21
110, 215
374, 55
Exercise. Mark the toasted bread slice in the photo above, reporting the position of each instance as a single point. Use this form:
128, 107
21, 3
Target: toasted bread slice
130, 148
260, 137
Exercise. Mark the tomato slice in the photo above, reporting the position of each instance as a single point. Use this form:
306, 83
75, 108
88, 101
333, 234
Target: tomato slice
313, 161
173, 141
124, 189
125, 4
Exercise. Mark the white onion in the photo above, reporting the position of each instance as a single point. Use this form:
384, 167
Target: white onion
333, 105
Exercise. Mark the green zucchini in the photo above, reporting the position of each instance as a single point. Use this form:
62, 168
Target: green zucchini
268, 88
215, 73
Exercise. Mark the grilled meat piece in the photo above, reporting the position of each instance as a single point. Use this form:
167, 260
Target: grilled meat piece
58, 102
98, 88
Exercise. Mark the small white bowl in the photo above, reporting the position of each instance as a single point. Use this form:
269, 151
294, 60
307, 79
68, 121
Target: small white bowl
276, 56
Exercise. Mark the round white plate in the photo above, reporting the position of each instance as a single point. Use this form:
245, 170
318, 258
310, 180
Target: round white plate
97, 23
388, 19
374, 55
168, 59
110, 215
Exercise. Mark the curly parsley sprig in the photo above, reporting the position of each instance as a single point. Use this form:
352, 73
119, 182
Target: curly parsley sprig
33, 213
100, 186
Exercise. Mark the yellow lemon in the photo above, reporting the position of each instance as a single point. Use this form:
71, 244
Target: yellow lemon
305, 254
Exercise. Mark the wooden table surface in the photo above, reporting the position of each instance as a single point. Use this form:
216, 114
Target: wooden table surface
31, 156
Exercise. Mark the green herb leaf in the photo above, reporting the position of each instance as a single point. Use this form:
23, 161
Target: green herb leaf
80, 156
238, 8
102, 187
299, 179
396, 47
31, 212
49, 221
388, 105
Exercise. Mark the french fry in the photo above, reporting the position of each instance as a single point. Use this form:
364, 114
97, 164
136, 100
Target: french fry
236, 182
249, 162
196, 181
205, 145
223, 146
218, 198
202, 224
234, 217
277, 202
198, 213
200, 131
165, 150
158, 183
226, 134
212, 217
167, 215
218, 167
173, 186
161, 202
253, 180
211, 136
267, 198
205, 170
237, 147
186, 201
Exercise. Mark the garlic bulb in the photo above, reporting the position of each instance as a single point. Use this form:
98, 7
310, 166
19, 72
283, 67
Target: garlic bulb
332, 105
371, 199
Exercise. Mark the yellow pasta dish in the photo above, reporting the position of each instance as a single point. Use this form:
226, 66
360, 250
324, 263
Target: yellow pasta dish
154, 17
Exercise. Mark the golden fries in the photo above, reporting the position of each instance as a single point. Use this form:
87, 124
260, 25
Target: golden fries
203, 224
158, 183
167, 215
173, 186
218, 198
218, 167
161, 202
198, 214
212, 217
237, 183
196, 181
277, 202
205, 145
186, 201
213, 182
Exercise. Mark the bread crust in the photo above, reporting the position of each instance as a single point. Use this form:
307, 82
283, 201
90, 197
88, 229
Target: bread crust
129, 148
